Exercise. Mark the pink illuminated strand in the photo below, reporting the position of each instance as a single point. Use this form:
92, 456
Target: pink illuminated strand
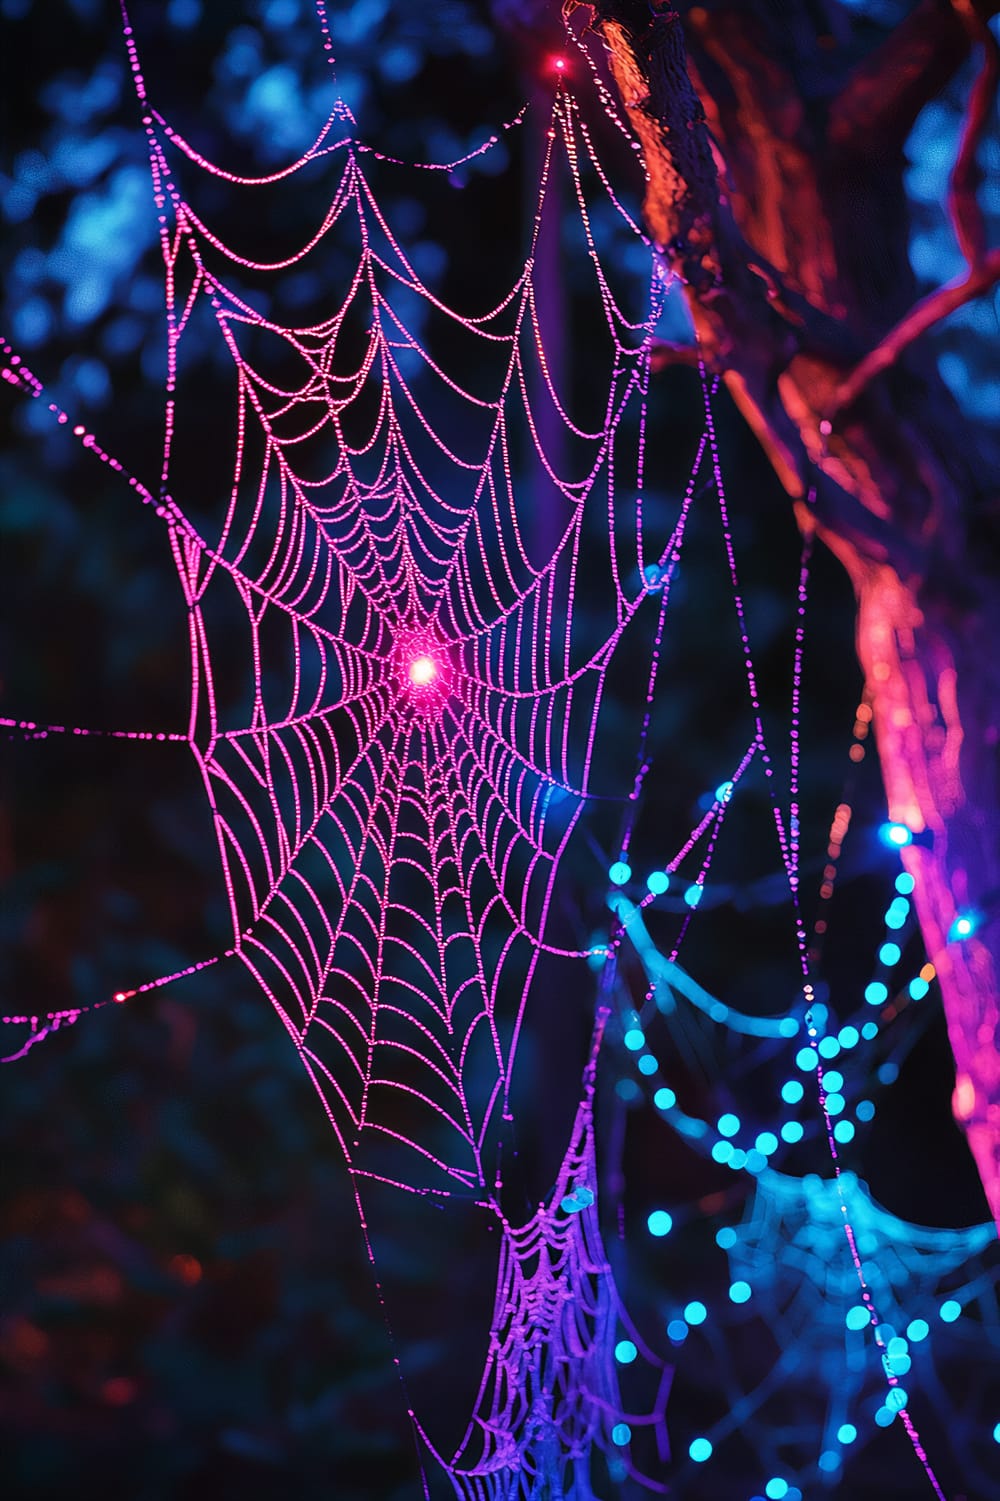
789, 854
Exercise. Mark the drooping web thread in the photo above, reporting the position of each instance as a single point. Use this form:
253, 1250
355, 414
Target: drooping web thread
393, 804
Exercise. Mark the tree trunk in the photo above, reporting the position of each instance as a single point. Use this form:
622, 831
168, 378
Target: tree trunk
774, 149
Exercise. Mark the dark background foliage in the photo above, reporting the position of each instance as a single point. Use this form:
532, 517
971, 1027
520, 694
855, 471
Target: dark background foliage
187, 1306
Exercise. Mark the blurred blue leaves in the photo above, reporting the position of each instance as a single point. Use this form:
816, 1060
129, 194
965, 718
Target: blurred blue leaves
966, 341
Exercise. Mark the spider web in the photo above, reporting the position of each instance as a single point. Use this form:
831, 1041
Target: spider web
390, 817
391, 813
390, 822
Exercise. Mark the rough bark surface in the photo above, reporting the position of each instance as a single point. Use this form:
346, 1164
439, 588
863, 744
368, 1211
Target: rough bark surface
774, 146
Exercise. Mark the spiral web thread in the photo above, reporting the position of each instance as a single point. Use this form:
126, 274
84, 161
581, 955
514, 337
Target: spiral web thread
391, 817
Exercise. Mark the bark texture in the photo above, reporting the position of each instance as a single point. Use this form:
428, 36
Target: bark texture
774, 146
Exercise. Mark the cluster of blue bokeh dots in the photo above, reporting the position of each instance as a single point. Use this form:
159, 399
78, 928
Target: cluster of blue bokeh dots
824, 1056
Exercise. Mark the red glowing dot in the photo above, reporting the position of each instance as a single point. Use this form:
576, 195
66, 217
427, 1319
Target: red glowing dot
559, 63
423, 670
119, 1391
186, 1268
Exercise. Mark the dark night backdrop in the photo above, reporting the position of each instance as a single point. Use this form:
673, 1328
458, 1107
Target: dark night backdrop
187, 1310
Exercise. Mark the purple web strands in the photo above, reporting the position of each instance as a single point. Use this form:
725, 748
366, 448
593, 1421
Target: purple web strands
417, 748
550, 1390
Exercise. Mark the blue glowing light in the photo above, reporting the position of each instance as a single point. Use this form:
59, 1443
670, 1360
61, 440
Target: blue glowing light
729, 1124
722, 1151
829, 1460
677, 1331
834, 1103
621, 1433
876, 993
916, 1330
635, 1039
950, 1310
740, 1292
700, 1449
964, 926
792, 1091
996, 1434
890, 954
659, 1222
846, 1433
627, 1090
888, 1073
869, 1030
695, 1313
848, 1037
857, 1317
788, 1026
776, 1488
897, 1398
648, 1064
843, 1132
805, 1059
792, 1132
885, 1417
829, 1047
865, 1110
723, 792
756, 1161
581, 1198
895, 835
693, 895
918, 988
738, 1160
625, 1352
833, 1081
766, 1143
664, 1098
899, 911
726, 1238
658, 882
619, 873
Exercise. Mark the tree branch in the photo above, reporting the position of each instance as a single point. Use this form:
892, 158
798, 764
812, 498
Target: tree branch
885, 93
963, 204
919, 319
898, 487
666, 354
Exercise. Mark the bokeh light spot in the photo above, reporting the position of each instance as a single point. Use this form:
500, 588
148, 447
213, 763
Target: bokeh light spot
423, 670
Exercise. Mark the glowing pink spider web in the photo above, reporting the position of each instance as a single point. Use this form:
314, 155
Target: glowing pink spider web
391, 818
390, 822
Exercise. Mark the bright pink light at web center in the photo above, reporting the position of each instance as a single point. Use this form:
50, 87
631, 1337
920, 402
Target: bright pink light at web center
423, 670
